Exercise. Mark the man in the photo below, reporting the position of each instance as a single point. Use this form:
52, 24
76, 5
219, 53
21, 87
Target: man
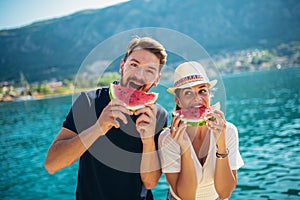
116, 147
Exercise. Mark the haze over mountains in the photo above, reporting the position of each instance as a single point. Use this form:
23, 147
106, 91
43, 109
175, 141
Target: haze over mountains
56, 47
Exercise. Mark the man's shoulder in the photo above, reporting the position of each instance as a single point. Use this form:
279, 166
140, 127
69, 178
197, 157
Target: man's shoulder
95, 93
160, 108
90, 96
161, 111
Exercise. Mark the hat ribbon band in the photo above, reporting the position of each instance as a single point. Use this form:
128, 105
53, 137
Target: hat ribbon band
188, 79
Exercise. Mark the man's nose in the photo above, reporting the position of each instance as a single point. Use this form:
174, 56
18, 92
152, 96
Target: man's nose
139, 73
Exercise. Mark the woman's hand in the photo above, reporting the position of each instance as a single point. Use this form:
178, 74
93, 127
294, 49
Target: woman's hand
178, 132
217, 125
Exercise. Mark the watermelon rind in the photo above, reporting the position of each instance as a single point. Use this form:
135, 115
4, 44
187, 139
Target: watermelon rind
133, 108
200, 122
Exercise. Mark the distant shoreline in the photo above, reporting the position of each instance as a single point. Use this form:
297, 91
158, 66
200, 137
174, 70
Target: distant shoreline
42, 96
77, 91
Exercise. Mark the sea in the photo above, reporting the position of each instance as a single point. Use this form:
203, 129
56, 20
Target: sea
264, 106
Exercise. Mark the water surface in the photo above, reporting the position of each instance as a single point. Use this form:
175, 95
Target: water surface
263, 105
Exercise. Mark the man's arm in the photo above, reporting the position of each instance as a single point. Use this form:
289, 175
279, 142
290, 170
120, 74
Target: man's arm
150, 165
68, 146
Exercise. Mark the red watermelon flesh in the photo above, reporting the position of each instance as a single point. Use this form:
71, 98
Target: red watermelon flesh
196, 116
134, 99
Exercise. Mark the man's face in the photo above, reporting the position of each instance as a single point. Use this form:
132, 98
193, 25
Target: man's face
140, 71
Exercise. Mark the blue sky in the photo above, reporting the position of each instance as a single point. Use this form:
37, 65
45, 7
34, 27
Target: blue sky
17, 13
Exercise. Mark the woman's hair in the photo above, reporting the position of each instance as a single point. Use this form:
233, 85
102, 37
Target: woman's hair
148, 44
177, 95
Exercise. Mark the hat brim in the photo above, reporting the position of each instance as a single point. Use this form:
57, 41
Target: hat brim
211, 84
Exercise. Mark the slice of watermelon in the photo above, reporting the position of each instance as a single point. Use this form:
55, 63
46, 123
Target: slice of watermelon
134, 99
196, 116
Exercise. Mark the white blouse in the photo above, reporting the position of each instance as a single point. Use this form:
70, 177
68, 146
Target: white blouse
170, 157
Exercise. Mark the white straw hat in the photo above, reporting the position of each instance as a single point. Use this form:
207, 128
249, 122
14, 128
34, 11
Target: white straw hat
189, 74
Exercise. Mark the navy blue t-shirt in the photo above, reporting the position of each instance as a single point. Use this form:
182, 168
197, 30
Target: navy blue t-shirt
109, 170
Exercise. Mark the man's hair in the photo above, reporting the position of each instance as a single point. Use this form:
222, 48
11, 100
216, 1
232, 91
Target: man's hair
148, 44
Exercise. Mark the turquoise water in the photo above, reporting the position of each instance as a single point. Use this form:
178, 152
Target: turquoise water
263, 105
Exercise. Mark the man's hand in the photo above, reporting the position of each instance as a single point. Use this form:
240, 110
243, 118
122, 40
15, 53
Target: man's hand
116, 109
150, 165
146, 122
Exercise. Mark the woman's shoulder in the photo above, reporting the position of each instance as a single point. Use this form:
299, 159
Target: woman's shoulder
231, 130
165, 133
165, 137
230, 126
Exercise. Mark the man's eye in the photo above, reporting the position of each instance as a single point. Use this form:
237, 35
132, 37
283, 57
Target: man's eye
133, 65
150, 71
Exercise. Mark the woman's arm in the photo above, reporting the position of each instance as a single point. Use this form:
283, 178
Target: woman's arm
225, 179
184, 183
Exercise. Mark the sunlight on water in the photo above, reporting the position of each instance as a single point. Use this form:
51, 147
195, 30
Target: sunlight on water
269, 131
263, 105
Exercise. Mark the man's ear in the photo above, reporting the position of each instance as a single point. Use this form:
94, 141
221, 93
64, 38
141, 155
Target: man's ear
122, 67
156, 82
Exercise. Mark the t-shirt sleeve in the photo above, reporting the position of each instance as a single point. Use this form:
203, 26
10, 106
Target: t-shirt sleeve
169, 153
235, 158
162, 118
161, 122
78, 113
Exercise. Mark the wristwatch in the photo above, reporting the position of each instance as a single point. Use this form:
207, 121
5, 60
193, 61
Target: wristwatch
221, 156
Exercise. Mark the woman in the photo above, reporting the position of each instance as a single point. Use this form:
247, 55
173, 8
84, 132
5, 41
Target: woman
200, 162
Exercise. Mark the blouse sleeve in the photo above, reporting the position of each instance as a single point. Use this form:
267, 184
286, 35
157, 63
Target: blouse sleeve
169, 153
232, 140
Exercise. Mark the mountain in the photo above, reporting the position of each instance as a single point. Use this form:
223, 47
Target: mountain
57, 47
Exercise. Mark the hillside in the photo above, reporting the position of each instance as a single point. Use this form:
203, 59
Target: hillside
56, 48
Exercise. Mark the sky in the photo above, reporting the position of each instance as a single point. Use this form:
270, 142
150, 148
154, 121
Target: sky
18, 13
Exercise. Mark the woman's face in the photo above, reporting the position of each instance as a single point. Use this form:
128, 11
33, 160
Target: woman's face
198, 95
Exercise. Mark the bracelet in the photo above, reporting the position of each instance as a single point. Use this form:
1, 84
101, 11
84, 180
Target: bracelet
221, 156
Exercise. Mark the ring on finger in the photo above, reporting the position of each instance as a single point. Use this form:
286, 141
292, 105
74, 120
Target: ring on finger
174, 128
